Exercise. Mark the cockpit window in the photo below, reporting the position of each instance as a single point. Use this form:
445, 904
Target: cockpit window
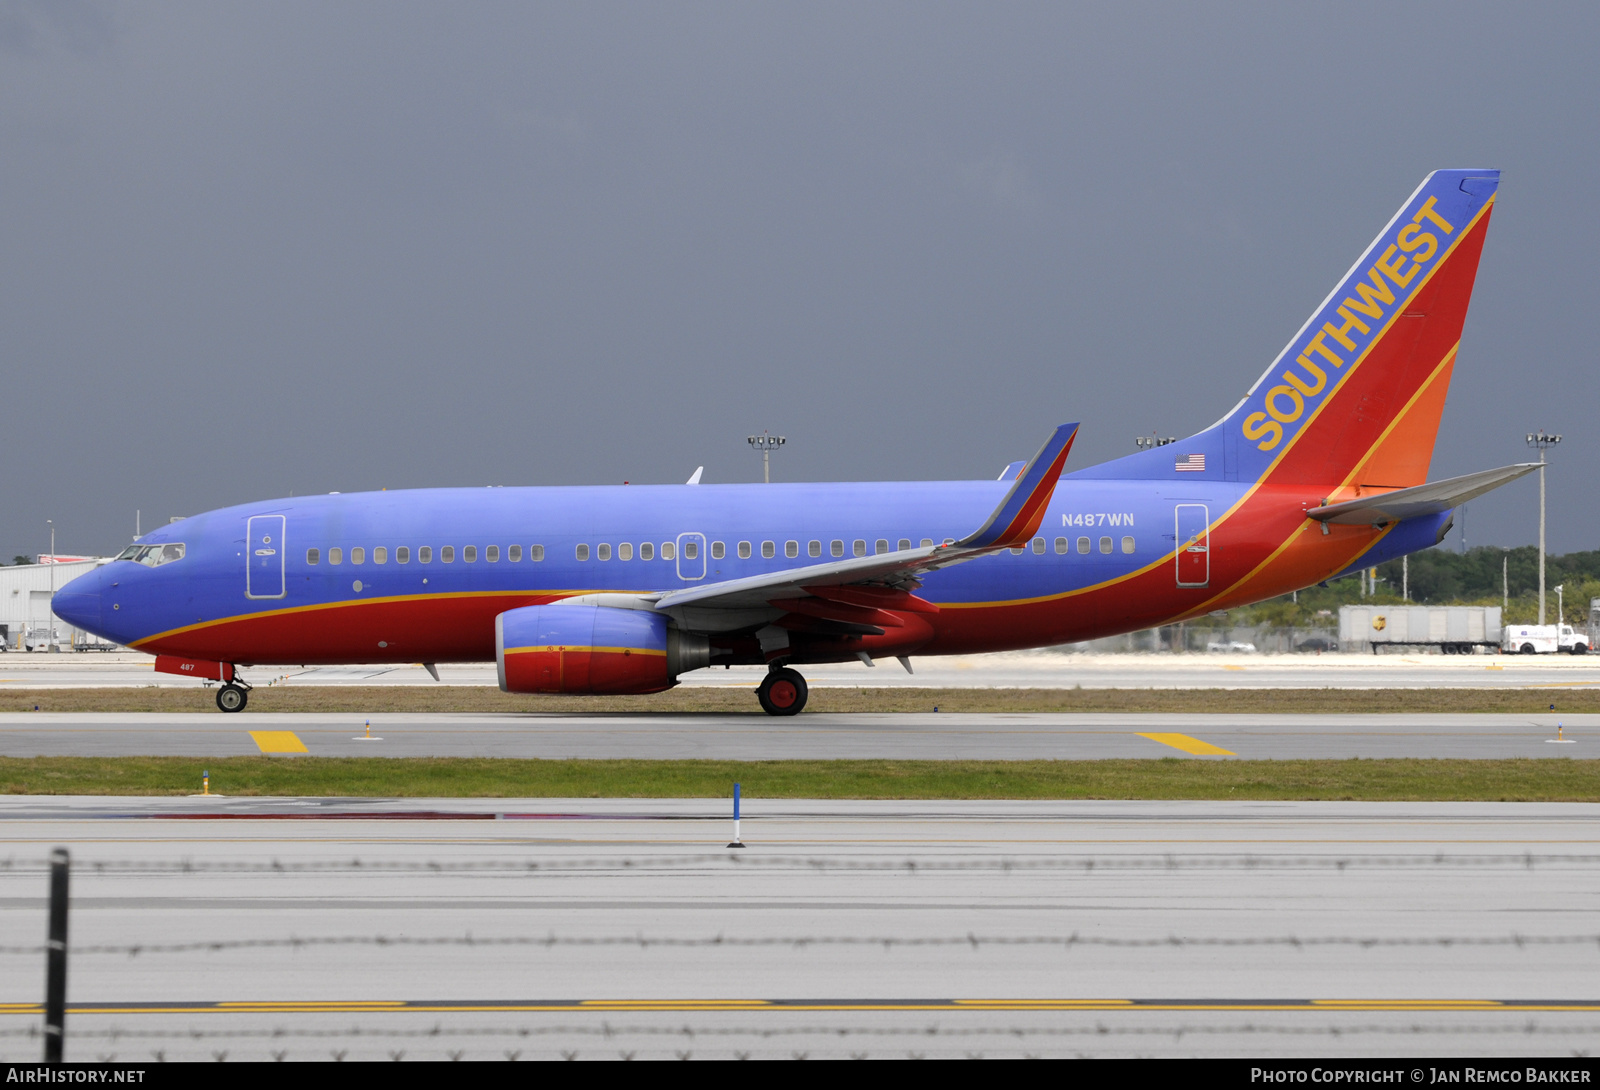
153, 556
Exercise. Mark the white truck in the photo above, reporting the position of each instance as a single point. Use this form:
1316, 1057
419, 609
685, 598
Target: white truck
1543, 639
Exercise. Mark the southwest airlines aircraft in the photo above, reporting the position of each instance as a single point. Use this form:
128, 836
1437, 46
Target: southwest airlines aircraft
1320, 470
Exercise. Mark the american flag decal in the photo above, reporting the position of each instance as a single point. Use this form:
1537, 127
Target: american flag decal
1191, 463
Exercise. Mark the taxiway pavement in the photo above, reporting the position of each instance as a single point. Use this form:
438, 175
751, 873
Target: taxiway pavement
902, 735
538, 928
1035, 669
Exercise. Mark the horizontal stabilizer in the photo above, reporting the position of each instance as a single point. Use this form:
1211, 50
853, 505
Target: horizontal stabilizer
1424, 499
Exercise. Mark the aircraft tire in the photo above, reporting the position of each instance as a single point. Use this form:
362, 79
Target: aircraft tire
232, 698
783, 692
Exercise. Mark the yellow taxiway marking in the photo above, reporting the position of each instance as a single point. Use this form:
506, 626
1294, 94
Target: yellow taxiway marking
278, 741
1227, 667
1189, 745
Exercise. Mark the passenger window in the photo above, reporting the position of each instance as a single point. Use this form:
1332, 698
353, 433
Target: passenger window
402, 555
691, 549
358, 555
837, 548
859, 547
768, 550
380, 555
313, 556
1105, 544
492, 554
536, 553
880, 546
791, 549
815, 548
447, 554
647, 550
744, 550
1038, 546
905, 543
1127, 544
583, 552
668, 550
927, 543
625, 551
603, 551
425, 554
718, 550
514, 554
1061, 545
1016, 550
336, 555
1083, 544
469, 554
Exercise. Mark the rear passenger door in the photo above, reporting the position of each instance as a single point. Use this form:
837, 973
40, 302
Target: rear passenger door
1194, 544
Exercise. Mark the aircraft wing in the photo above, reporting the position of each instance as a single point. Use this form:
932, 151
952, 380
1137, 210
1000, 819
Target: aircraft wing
1012, 523
1423, 499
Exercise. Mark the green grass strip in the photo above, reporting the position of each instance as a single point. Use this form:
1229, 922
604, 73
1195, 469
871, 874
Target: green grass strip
1519, 780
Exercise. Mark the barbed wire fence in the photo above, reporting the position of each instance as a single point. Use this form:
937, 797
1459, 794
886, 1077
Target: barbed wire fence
725, 861
971, 940
607, 1038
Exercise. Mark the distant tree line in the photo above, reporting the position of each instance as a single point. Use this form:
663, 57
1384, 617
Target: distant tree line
1442, 577
1439, 576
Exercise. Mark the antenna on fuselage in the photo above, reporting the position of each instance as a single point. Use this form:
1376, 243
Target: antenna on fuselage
695, 479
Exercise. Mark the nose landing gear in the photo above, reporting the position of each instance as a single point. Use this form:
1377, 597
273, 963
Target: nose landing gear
233, 696
783, 692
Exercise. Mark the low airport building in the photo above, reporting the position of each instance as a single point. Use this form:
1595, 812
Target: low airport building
27, 622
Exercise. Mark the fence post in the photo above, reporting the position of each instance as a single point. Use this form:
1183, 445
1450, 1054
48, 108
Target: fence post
55, 977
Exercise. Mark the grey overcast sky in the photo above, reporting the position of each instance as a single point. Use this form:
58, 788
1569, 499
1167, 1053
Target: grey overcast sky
250, 249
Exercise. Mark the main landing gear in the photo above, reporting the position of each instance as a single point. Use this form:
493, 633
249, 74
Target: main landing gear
783, 692
233, 696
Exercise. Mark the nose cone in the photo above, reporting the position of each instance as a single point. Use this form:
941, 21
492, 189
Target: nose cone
78, 603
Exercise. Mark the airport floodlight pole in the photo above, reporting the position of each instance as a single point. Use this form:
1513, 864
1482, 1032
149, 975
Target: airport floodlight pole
766, 444
1541, 439
51, 620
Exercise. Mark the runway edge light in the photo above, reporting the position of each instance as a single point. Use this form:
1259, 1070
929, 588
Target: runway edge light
737, 843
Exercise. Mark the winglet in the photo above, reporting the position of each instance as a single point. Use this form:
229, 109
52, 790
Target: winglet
1021, 512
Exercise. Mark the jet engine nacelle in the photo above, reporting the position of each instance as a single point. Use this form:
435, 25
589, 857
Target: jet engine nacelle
592, 649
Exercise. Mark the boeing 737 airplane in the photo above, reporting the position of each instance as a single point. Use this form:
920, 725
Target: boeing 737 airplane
1320, 470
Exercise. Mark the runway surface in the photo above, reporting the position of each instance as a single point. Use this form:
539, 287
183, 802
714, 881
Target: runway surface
1042, 669
540, 928
904, 735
